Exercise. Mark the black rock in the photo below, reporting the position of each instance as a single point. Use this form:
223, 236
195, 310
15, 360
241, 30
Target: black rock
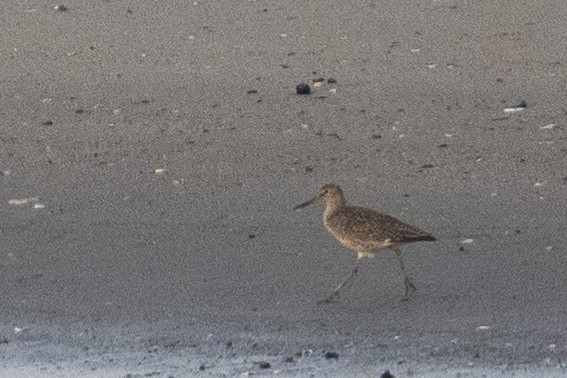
303, 89
265, 365
387, 374
332, 355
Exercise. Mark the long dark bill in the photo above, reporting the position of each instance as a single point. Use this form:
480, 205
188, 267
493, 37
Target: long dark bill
306, 203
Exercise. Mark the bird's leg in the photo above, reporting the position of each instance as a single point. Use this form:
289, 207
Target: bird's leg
410, 288
335, 294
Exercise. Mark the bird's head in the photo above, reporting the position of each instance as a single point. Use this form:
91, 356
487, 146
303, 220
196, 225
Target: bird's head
328, 194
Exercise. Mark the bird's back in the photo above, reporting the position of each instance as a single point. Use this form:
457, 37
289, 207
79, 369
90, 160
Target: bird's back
365, 229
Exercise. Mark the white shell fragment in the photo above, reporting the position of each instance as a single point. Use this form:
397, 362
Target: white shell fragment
467, 241
482, 328
518, 108
547, 127
22, 201
513, 110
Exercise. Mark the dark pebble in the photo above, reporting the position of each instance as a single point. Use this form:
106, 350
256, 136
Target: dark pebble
61, 8
331, 355
48, 123
251, 91
444, 145
202, 367
332, 81
303, 89
319, 80
522, 104
250, 236
289, 360
387, 374
265, 365
427, 166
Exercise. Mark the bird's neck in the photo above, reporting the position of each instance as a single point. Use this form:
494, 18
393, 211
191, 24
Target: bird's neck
332, 207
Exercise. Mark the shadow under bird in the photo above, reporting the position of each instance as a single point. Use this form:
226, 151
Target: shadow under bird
365, 231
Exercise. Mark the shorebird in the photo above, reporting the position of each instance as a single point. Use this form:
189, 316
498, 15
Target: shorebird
364, 231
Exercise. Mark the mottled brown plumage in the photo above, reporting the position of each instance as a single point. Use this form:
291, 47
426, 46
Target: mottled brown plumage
365, 231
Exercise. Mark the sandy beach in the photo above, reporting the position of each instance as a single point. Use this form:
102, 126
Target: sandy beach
151, 154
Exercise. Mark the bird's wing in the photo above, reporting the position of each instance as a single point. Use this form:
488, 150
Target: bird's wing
363, 222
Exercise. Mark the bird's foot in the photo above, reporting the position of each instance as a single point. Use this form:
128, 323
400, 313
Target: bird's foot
410, 289
333, 298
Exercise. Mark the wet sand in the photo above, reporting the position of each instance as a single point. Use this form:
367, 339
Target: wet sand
151, 155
